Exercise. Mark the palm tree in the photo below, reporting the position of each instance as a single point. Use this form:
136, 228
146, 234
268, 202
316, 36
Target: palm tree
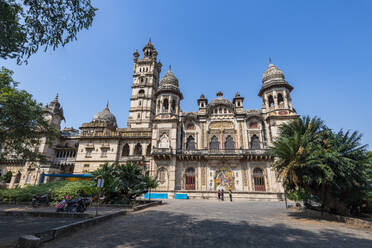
329, 166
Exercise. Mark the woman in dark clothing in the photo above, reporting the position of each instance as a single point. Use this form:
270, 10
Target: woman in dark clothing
230, 194
219, 195
222, 192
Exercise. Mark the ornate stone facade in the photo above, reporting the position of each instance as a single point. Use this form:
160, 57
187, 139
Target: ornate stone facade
222, 145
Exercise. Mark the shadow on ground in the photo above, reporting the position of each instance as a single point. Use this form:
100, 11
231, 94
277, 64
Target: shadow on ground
166, 229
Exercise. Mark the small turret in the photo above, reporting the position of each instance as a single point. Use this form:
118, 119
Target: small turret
202, 102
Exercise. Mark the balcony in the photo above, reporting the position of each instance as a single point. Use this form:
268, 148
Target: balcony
250, 154
162, 151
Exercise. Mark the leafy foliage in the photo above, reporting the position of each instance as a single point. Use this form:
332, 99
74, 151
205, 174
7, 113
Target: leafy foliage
22, 125
26, 25
331, 167
57, 191
124, 183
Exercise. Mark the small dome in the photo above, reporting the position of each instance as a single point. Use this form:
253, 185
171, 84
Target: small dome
272, 72
106, 116
169, 79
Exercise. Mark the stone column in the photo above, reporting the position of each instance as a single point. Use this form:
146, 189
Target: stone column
285, 96
275, 96
131, 149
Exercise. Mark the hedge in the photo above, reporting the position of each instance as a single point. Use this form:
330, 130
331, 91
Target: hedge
57, 191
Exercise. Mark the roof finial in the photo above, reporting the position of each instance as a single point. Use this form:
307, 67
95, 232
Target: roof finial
270, 61
56, 98
170, 68
107, 104
150, 39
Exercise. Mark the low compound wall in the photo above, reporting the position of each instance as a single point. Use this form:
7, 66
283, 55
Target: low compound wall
212, 195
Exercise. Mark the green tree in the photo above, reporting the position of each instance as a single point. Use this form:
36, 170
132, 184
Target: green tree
330, 166
22, 125
124, 183
26, 25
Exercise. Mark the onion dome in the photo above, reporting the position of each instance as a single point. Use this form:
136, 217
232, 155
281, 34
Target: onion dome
136, 54
169, 79
105, 116
273, 76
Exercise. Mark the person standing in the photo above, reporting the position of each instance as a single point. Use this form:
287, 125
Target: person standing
222, 193
219, 195
230, 195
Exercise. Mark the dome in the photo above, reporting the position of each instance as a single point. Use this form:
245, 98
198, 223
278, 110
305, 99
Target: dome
169, 79
272, 72
105, 116
220, 101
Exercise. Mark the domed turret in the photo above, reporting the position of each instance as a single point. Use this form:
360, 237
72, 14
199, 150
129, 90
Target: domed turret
168, 94
105, 116
275, 90
273, 77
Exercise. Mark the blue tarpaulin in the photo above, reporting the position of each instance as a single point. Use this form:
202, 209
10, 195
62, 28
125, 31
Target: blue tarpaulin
157, 196
180, 196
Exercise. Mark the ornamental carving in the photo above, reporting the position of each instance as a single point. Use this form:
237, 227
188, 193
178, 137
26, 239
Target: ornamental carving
221, 125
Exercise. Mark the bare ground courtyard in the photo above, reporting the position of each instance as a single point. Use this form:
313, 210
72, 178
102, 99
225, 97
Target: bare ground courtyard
207, 223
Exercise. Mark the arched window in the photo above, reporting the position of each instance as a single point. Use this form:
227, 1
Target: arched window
138, 116
8, 177
229, 143
141, 92
148, 150
255, 142
165, 105
138, 150
190, 143
173, 106
18, 177
164, 141
280, 100
258, 179
139, 103
271, 101
125, 151
253, 124
190, 179
215, 144
190, 126
141, 80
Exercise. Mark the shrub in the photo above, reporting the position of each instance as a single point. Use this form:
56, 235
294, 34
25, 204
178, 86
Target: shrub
57, 191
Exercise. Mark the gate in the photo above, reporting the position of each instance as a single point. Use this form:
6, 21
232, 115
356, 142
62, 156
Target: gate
259, 180
190, 179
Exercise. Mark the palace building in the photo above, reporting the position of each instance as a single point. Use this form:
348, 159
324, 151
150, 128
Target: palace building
221, 145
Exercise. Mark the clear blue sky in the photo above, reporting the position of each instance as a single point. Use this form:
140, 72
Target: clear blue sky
323, 47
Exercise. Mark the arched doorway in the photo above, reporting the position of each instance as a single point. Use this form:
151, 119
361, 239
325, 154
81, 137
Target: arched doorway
258, 179
190, 179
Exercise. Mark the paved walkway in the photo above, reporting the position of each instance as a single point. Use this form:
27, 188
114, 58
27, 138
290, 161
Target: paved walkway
194, 223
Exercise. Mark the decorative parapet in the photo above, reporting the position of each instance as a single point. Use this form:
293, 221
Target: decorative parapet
243, 154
